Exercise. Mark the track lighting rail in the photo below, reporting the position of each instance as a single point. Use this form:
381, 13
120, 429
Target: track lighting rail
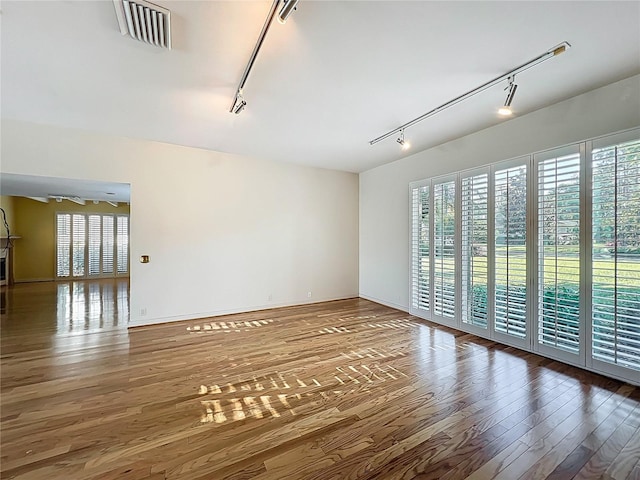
557, 50
288, 6
252, 58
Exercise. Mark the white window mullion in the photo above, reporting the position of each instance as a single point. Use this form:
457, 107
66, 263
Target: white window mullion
457, 235
432, 224
586, 245
491, 254
532, 254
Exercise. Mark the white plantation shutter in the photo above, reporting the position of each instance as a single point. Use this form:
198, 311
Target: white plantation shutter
95, 243
540, 252
420, 297
91, 245
475, 274
79, 235
559, 252
511, 251
122, 241
444, 272
63, 244
615, 296
107, 244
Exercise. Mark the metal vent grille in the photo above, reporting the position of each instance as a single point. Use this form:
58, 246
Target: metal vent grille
144, 21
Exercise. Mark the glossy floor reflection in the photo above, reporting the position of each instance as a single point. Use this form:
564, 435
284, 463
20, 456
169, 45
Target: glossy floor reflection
66, 306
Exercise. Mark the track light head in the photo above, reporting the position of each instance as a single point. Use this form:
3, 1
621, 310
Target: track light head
405, 145
288, 6
505, 110
239, 107
239, 104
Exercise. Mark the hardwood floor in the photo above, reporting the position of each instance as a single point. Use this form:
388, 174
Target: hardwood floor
339, 390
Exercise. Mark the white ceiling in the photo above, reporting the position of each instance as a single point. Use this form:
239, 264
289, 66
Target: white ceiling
338, 74
45, 187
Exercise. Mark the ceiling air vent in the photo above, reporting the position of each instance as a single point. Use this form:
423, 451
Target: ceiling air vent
144, 21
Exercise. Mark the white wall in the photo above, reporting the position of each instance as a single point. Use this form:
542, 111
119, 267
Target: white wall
384, 191
223, 232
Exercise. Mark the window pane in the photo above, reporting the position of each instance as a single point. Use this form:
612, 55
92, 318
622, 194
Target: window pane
474, 250
107, 244
511, 251
616, 254
94, 244
420, 246
444, 249
63, 247
123, 244
79, 243
559, 252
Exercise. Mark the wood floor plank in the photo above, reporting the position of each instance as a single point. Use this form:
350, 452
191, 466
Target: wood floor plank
345, 390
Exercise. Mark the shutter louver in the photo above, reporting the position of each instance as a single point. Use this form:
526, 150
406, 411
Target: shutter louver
444, 280
559, 252
616, 254
474, 250
511, 251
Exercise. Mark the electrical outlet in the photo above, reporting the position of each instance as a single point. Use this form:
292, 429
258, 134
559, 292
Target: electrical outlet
270, 297
143, 312
308, 294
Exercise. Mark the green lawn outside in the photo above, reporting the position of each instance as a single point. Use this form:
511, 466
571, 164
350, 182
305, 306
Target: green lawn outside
567, 269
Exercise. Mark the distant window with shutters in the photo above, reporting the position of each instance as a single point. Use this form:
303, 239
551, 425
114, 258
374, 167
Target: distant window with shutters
108, 244
122, 241
91, 245
63, 244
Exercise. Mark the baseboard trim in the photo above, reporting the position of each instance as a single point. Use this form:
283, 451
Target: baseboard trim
33, 280
385, 303
218, 313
